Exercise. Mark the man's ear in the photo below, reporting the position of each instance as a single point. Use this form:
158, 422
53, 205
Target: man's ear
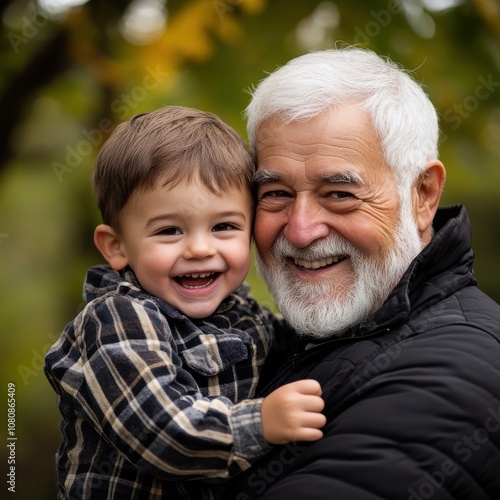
427, 194
109, 243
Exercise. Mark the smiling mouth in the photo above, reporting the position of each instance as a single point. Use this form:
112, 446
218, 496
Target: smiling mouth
196, 280
320, 263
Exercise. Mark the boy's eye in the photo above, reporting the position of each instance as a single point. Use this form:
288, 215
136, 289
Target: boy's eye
169, 231
224, 226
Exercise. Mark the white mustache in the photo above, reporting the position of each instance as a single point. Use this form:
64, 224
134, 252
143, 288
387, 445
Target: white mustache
317, 250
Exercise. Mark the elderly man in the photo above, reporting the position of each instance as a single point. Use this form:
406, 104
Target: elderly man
377, 281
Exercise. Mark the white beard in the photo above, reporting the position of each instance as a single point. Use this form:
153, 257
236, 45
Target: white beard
325, 309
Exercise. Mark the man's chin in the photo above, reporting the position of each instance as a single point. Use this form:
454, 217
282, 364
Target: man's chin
321, 322
318, 309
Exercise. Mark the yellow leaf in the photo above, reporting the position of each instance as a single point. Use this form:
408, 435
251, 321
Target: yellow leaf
229, 30
253, 6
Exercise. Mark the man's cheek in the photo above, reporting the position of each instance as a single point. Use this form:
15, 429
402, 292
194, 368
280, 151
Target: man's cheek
261, 236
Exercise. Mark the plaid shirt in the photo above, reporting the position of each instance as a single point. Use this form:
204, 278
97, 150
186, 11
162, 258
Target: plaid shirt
153, 401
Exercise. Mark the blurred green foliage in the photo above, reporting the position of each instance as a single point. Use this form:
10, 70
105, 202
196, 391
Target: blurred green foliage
68, 75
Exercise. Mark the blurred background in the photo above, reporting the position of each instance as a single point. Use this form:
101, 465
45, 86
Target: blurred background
73, 69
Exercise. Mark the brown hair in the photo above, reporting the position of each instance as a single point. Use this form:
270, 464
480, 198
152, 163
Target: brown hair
171, 144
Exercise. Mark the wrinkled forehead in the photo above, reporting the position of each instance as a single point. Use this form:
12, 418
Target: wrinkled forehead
341, 131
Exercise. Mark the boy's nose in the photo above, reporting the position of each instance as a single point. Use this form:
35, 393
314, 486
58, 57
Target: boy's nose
199, 247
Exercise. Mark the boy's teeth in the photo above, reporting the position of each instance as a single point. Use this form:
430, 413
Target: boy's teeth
316, 264
196, 275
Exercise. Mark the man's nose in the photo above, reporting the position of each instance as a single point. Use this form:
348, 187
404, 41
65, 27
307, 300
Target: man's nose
305, 222
199, 246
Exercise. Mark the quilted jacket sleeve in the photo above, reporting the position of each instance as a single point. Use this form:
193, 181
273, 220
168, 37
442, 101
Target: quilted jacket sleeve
416, 419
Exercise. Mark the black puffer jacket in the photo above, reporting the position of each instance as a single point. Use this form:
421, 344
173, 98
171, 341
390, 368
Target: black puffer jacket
412, 399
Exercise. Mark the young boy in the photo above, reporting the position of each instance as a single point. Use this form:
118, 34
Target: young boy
155, 376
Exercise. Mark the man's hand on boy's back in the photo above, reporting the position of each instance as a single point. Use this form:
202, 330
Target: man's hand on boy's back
293, 413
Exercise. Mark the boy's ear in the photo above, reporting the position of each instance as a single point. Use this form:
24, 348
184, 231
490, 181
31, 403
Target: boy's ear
109, 243
428, 190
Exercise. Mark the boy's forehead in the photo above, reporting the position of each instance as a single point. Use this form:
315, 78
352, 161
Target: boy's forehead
186, 198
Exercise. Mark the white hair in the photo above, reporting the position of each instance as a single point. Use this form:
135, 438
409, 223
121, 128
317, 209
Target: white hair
402, 114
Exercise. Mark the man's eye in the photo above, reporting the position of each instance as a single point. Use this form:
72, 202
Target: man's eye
340, 194
340, 201
169, 231
224, 226
274, 194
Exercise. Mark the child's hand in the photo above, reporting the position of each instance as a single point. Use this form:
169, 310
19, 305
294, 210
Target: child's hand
293, 413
